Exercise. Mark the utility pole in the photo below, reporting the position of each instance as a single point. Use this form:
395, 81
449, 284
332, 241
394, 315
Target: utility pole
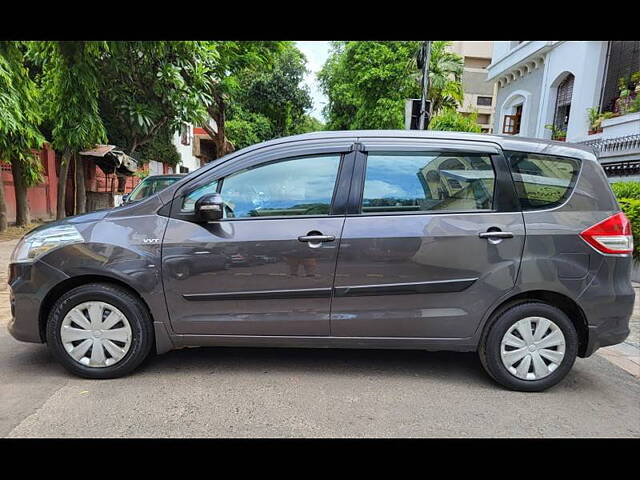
424, 58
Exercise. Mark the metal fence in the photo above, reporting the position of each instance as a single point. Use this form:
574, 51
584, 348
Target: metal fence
618, 144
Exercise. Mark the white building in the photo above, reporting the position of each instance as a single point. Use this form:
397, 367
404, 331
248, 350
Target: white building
195, 147
479, 95
553, 83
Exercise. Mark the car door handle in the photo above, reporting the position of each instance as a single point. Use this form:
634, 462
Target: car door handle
496, 235
316, 238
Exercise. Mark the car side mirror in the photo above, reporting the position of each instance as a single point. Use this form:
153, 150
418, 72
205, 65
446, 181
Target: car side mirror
125, 198
209, 208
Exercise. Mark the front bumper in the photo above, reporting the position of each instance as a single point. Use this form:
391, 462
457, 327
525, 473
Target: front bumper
29, 284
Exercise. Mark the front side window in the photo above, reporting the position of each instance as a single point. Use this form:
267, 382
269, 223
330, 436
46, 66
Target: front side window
542, 181
297, 186
397, 182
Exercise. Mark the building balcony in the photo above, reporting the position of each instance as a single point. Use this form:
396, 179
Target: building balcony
618, 145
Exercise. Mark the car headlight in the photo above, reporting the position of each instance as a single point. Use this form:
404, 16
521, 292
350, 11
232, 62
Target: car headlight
36, 244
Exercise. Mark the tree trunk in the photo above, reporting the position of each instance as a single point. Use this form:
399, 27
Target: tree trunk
81, 193
62, 186
3, 208
22, 203
223, 146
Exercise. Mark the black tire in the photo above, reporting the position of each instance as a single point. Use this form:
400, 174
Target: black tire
489, 348
131, 306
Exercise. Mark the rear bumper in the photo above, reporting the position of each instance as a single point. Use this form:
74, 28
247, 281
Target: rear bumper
608, 305
606, 334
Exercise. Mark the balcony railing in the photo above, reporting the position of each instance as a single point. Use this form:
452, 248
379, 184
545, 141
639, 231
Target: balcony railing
619, 144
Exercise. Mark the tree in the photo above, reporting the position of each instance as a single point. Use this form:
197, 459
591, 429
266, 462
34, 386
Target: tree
367, 83
445, 77
20, 115
276, 93
71, 86
230, 59
451, 120
150, 89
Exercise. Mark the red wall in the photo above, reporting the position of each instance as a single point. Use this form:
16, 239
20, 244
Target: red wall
41, 198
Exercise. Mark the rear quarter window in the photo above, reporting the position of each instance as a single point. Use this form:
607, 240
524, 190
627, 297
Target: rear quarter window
542, 181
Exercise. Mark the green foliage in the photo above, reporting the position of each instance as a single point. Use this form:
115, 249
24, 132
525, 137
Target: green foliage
307, 124
275, 93
628, 195
151, 88
367, 83
556, 133
626, 190
631, 208
445, 77
248, 128
160, 149
71, 83
451, 120
20, 113
595, 118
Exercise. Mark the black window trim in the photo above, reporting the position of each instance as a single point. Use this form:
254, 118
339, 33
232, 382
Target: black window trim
504, 193
226, 169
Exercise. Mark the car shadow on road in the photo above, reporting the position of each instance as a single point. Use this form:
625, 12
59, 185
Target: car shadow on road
455, 367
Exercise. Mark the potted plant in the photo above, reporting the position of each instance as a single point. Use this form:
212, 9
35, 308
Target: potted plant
635, 80
595, 120
557, 133
624, 100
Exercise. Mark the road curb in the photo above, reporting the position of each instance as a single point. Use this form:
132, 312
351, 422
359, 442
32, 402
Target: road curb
625, 356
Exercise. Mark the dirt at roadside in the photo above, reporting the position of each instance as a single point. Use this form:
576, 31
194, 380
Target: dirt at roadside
15, 233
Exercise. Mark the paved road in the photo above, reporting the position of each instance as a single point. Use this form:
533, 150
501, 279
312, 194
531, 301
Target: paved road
223, 392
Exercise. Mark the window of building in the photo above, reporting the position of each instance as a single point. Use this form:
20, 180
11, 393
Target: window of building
511, 123
484, 101
623, 59
563, 106
542, 181
405, 183
476, 62
483, 118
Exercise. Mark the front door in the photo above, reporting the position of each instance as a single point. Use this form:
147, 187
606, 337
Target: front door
268, 267
432, 238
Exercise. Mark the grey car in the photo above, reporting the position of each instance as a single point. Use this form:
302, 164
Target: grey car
515, 248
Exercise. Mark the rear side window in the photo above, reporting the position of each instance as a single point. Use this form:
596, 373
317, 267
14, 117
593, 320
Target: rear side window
405, 183
542, 181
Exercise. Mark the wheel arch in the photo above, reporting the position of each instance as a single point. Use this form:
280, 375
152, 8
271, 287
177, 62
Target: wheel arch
70, 283
568, 306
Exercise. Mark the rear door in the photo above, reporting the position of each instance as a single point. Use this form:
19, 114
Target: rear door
433, 237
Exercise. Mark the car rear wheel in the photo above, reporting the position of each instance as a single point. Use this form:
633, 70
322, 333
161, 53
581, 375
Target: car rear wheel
99, 331
529, 347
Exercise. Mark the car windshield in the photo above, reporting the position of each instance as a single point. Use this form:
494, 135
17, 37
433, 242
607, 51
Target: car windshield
149, 186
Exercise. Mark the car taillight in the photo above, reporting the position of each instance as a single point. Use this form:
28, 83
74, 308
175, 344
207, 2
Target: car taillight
612, 235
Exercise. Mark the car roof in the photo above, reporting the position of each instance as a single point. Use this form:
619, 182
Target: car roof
505, 142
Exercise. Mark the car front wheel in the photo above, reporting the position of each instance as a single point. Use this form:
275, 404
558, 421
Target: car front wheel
99, 331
